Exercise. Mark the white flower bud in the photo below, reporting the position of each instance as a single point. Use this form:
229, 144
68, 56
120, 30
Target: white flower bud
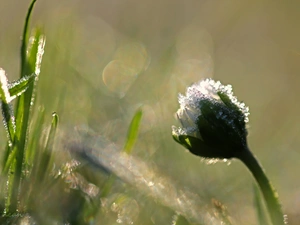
213, 121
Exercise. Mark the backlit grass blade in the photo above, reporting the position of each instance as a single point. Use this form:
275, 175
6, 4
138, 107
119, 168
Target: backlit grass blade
132, 134
18, 87
8, 121
7, 113
24, 103
31, 56
133, 131
25, 40
35, 140
259, 207
45, 159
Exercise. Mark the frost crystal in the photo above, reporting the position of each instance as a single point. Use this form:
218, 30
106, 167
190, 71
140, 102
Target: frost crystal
5, 96
189, 110
213, 121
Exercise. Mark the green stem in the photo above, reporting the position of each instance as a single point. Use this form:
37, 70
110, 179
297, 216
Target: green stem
269, 193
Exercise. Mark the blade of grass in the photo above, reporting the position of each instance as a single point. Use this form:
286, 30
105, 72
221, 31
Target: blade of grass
25, 39
18, 87
32, 156
133, 131
8, 120
132, 134
30, 64
259, 207
46, 155
23, 106
7, 112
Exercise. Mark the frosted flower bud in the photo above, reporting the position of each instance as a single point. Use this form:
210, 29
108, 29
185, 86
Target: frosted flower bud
213, 121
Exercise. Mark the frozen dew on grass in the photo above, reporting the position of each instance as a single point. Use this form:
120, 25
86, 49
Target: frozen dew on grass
8, 91
6, 108
5, 95
40, 53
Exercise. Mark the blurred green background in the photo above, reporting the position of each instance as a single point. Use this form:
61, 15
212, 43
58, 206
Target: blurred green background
104, 59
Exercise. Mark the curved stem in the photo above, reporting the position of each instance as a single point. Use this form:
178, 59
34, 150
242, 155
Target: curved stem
269, 193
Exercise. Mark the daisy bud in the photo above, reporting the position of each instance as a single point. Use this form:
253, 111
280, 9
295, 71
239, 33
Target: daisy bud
213, 122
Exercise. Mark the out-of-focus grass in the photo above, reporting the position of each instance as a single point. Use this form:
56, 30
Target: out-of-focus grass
104, 59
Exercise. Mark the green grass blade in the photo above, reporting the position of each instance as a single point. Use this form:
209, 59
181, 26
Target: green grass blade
25, 101
133, 131
54, 123
32, 156
18, 87
25, 40
46, 155
8, 120
7, 112
51, 136
259, 207
132, 134
4, 92
31, 57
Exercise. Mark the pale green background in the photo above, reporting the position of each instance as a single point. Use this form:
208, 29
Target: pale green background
253, 45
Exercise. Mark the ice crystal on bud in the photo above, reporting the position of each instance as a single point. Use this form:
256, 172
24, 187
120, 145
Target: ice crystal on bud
212, 119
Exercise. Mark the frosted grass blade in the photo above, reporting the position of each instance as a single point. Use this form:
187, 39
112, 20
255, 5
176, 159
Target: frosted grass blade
18, 87
31, 56
7, 112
